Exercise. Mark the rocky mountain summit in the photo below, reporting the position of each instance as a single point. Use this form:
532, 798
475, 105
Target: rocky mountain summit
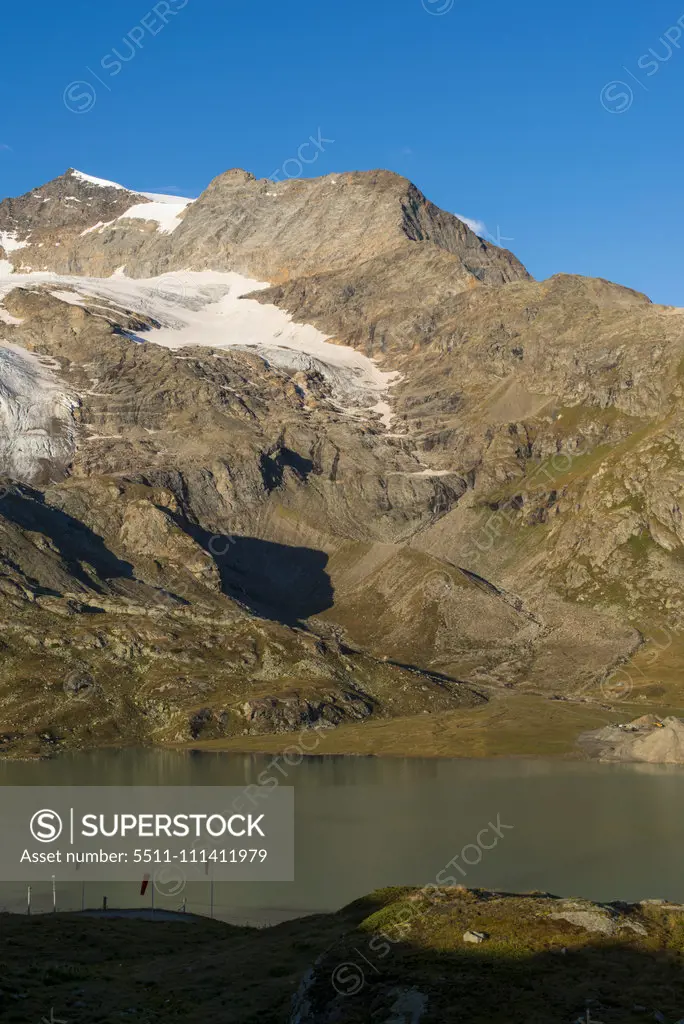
312, 454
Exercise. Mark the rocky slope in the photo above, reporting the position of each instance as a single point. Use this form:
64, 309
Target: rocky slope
313, 452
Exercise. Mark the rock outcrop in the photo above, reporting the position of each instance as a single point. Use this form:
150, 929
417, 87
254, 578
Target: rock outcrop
648, 739
447, 954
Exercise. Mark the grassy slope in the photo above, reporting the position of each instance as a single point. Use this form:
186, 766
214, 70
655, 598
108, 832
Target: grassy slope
532, 968
509, 725
93, 970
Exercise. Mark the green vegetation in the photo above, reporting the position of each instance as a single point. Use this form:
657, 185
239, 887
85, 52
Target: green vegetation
510, 725
542, 961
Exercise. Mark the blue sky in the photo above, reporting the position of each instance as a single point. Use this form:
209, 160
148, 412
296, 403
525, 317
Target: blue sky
494, 109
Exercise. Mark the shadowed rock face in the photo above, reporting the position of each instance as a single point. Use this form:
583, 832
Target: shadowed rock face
502, 511
274, 580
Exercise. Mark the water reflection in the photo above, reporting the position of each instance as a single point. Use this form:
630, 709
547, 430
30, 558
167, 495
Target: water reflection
601, 831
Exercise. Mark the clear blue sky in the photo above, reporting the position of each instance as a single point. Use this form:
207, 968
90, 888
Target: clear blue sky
493, 109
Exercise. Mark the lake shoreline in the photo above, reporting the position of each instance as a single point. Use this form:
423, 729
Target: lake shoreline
513, 725
512, 823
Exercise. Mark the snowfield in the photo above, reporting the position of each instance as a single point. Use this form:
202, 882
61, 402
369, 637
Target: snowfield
208, 309
166, 214
37, 427
193, 308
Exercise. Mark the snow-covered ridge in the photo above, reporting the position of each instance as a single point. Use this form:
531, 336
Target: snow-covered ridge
156, 197
98, 181
166, 210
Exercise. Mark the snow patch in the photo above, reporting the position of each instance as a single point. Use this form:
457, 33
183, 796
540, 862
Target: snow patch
73, 298
384, 411
9, 242
159, 197
100, 226
7, 318
420, 472
209, 308
167, 214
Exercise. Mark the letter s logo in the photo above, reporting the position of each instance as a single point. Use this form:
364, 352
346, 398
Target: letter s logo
46, 826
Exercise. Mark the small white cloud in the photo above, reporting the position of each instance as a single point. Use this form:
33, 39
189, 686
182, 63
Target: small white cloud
478, 226
4, 147
481, 229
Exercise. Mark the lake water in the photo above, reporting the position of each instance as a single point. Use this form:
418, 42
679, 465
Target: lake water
600, 831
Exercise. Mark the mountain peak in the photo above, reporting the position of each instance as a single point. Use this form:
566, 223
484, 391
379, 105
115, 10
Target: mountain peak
267, 230
102, 182
233, 176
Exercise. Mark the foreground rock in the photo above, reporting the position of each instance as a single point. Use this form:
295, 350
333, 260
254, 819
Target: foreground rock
649, 739
525, 958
